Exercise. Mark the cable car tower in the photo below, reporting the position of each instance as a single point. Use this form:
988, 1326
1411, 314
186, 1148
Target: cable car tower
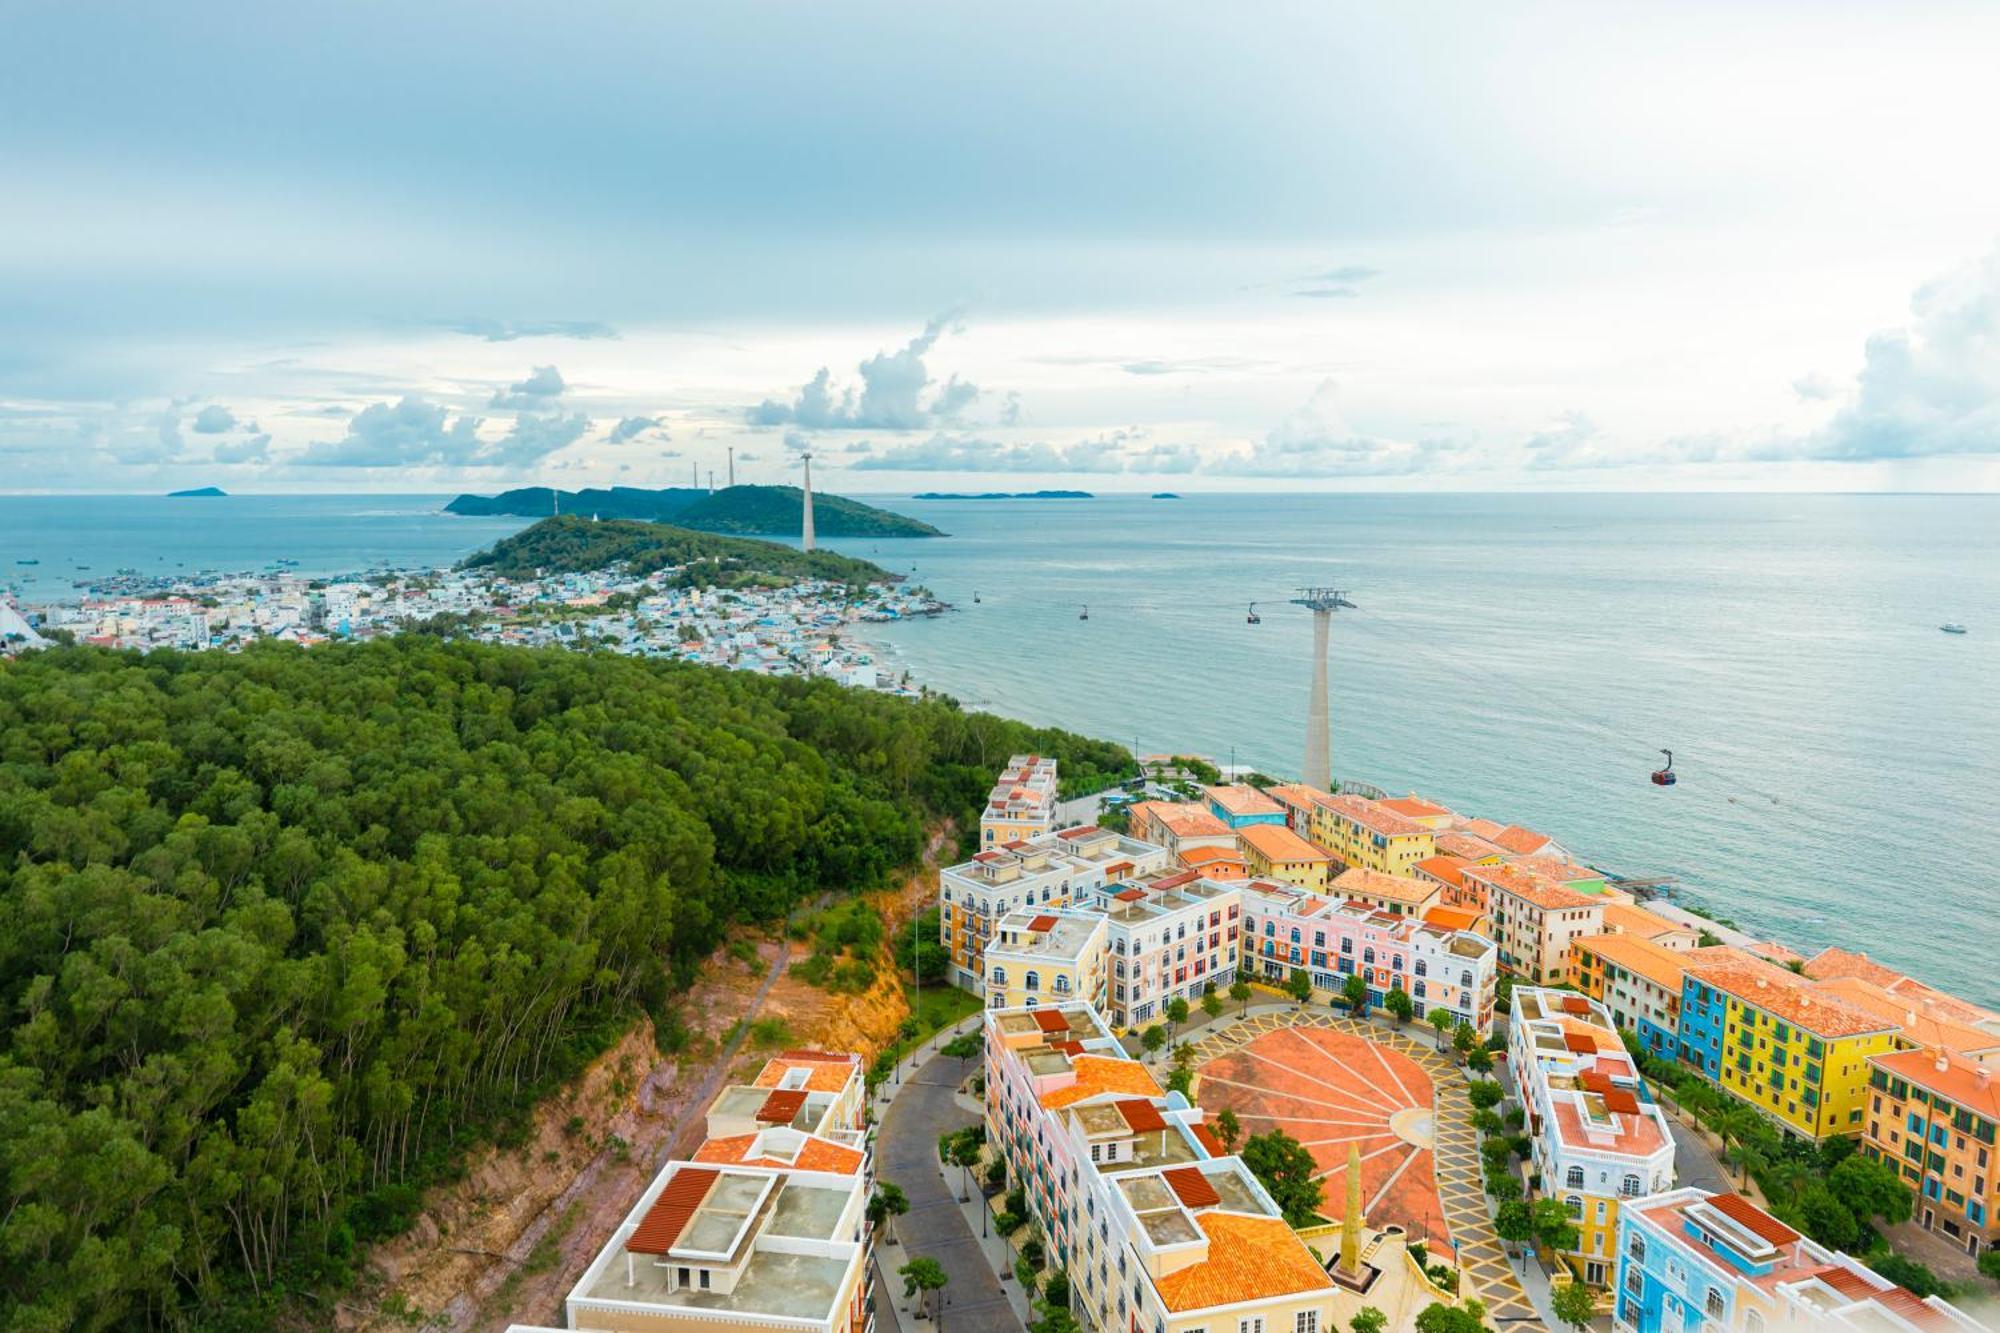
1322, 602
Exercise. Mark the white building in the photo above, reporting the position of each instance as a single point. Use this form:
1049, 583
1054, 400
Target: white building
1170, 936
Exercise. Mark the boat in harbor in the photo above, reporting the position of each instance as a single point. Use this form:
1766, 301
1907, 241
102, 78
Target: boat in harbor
1952, 627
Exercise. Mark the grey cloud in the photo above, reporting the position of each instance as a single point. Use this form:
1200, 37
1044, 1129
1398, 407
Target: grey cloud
246, 449
861, 447
1316, 441
215, 419
409, 432
893, 385
1568, 443
540, 390
1010, 409
1346, 274
532, 439
631, 428
506, 331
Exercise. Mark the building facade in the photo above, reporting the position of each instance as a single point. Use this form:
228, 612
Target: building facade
1038, 957
1022, 804
1932, 1115
1535, 918
1361, 832
1272, 851
1168, 937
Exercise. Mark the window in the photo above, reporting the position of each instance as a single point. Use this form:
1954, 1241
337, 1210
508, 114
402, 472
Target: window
1253, 1324
1629, 1187
1753, 1322
1637, 1248
999, 976
1034, 981
1574, 1180
1715, 1304
1575, 1206
1307, 1322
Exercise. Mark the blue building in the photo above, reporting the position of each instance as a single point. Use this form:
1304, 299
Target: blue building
1703, 1012
1694, 1262
1240, 804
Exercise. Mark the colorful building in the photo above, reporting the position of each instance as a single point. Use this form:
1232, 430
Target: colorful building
1365, 833
1769, 1037
764, 1228
1040, 957
1287, 928
1240, 805
1536, 916
1632, 919
1272, 851
1417, 810
1180, 828
1639, 982
1932, 1115
1157, 1229
1217, 863
1398, 895
1600, 1141
1042, 874
1169, 937
1022, 804
1692, 1261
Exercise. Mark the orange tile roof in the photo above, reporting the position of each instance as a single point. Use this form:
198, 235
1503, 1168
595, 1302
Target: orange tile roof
1483, 828
1099, 1074
1923, 1028
1452, 918
1361, 880
1276, 843
1141, 1115
1414, 807
816, 1154
1740, 1210
1201, 856
1829, 963
1372, 816
1450, 869
1790, 997
1192, 1187
1655, 962
1207, 1138
1249, 1258
1051, 1020
1183, 821
781, 1106
1297, 794
822, 1073
1468, 845
1240, 798
1627, 919
1901, 1301
669, 1215
1960, 1080
1042, 922
1521, 841
1525, 884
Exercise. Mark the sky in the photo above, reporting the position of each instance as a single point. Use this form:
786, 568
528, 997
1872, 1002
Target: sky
435, 247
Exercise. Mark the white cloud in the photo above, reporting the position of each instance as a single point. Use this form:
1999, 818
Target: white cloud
409, 432
215, 419
631, 428
1316, 442
892, 396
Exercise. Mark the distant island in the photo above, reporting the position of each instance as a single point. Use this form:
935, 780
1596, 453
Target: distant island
1006, 495
762, 511
1165, 495
572, 543
198, 493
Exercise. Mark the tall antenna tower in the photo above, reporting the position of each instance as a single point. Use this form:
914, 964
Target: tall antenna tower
732, 465
555, 503
806, 519
1322, 602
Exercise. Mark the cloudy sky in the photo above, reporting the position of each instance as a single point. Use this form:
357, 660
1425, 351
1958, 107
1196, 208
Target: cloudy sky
427, 247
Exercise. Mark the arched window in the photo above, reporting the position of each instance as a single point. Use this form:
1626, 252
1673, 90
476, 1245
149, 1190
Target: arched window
999, 976
1716, 1305
1575, 1206
1295, 934
1062, 985
1420, 990
1629, 1187
1034, 981
1573, 1180
1637, 1248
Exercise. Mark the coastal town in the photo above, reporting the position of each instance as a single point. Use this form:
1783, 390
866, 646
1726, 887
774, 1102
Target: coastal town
1252, 1055
804, 628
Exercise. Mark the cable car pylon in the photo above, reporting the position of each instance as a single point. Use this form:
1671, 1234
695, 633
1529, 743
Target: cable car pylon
1322, 602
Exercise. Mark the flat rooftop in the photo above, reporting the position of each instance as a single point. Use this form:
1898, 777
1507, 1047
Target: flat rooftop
791, 1286
808, 1213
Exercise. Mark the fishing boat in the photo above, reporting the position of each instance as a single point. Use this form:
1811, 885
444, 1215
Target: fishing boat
1952, 627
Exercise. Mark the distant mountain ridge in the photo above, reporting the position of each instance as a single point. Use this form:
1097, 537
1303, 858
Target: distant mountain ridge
573, 543
1005, 495
763, 511
199, 493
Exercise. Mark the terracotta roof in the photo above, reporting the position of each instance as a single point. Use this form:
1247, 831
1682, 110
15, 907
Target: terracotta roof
1099, 1074
1414, 807
1182, 821
1297, 794
1129, 895
1483, 828
1580, 1042
1451, 918
1447, 868
1792, 998
1899, 1300
1207, 1139
1361, 880
1201, 856
1249, 1258
816, 1154
1638, 955
1372, 816
1142, 1116
1529, 886
1914, 1020
1520, 841
824, 1072
1627, 919
1051, 1020
1829, 963
1747, 1214
1468, 845
1276, 843
1240, 798
1192, 1187
808, 1055
669, 1214
1042, 922
781, 1106
1960, 1080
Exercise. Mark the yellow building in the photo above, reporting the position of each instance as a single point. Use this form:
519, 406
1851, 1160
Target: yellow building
1273, 851
1038, 958
1022, 803
1394, 894
1365, 833
1793, 1051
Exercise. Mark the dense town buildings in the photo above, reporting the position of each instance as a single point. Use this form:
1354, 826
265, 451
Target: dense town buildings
1933, 1115
1022, 804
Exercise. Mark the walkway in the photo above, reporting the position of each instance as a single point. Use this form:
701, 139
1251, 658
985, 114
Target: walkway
922, 1108
1461, 1189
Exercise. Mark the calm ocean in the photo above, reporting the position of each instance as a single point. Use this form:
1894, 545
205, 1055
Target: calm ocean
1521, 657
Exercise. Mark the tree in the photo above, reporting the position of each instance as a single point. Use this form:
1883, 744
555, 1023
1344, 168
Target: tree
1240, 991
1908, 1273
1299, 986
1989, 1263
1574, 1304
1483, 1093
1055, 1288
1211, 1004
1827, 1218
1181, 1081
1227, 1128
922, 1277
1177, 1012
1442, 1019
1554, 1228
1464, 1037
1355, 992
1514, 1222
1153, 1038
1400, 1006
1871, 1188
1479, 1060
965, 1154
886, 1205
965, 1046
1285, 1168
1438, 1317
1368, 1319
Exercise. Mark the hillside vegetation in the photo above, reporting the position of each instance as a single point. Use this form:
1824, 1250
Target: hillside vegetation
769, 511
283, 933
570, 543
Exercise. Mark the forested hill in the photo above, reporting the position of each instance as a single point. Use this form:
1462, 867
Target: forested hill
571, 543
758, 511
283, 932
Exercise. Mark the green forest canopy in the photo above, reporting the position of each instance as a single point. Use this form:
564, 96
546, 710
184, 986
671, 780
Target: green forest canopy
569, 544
282, 933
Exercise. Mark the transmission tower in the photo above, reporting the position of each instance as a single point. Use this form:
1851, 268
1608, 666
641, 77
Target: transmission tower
1322, 602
